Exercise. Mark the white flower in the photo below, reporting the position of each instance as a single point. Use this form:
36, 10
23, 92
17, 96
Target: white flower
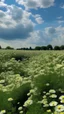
59, 66
52, 91
44, 96
44, 92
20, 108
28, 102
47, 84
4, 90
53, 103
3, 111
62, 101
53, 96
21, 112
61, 97
47, 93
49, 110
44, 101
59, 108
10, 99
18, 103
2, 81
45, 105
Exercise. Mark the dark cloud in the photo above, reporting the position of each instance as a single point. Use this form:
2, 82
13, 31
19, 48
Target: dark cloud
18, 32
2, 14
52, 30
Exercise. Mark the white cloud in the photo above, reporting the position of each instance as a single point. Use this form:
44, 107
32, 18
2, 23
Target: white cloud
15, 23
34, 4
2, 4
60, 17
61, 21
50, 31
59, 39
38, 18
62, 6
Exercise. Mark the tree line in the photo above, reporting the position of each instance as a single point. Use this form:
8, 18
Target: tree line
48, 47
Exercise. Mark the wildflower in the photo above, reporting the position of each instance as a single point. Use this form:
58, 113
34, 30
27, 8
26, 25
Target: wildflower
3, 111
10, 99
44, 101
32, 91
59, 108
21, 112
28, 94
47, 93
59, 66
47, 84
20, 108
53, 103
52, 91
18, 103
4, 90
44, 96
45, 105
61, 97
53, 96
2, 81
28, 102
62, 101
44, 92
49, 110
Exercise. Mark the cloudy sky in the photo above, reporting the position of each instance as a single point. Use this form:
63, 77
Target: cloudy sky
25, 23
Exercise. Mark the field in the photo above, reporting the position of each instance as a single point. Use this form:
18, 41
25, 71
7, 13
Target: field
31, 82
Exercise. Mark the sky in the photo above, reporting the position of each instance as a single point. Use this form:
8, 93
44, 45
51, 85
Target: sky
25, 23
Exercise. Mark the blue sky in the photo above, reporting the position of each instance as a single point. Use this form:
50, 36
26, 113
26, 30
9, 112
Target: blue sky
25, 23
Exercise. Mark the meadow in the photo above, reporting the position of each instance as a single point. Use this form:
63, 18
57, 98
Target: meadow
31, 82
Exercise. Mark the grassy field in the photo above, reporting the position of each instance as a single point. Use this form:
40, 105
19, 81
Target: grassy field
31, 82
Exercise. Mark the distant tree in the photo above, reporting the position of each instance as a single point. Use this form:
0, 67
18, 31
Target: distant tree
49, 47
56, 48
62, 47
37, 48
30, 48
43, 48
0, 47
8, 47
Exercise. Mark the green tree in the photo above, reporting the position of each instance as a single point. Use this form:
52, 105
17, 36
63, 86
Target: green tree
37, 48
56, 48
8, 47
49, 47
43, 48
62, 47
0, 47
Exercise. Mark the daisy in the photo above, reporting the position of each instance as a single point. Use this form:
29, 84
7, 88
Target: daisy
59, 108
53, 103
